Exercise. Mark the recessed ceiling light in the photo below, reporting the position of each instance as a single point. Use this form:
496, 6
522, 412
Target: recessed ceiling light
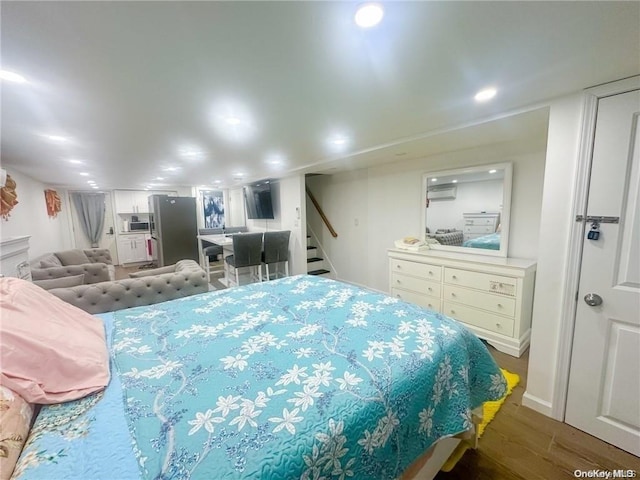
57, 138
231, 120
275, 159
170, 169
191, 153
454, 181
369, 15
84, 174
238, 174
95, 186
338, 142
75, 162
434, 179
91, 182
159, 178
492, 171
486, 94
12, 77
217, 181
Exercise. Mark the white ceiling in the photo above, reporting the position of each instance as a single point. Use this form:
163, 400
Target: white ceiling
140, 86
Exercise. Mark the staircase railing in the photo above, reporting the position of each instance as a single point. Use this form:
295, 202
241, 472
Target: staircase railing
322, 215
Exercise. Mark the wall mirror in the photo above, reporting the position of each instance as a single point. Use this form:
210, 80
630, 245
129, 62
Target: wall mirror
467, 209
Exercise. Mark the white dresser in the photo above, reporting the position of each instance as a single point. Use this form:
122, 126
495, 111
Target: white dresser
14, 257
492, 296
479, 224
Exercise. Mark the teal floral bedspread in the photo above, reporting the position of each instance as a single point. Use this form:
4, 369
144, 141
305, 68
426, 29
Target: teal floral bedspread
299, 378
488, 242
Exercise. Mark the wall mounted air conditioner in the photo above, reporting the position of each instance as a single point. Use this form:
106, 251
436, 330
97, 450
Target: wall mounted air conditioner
442, 192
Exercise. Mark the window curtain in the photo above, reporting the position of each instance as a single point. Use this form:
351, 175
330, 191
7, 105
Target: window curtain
91, 210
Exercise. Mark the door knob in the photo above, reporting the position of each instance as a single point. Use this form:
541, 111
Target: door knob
593, 299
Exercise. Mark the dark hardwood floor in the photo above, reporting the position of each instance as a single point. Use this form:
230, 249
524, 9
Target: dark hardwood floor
522, 444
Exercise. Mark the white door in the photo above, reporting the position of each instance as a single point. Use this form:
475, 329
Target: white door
604, 384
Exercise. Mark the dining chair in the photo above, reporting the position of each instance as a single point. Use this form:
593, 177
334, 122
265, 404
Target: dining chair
276, 250
210, 251
247, 252
232, 230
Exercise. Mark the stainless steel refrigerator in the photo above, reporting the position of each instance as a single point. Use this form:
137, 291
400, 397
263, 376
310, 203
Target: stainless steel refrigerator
174, 228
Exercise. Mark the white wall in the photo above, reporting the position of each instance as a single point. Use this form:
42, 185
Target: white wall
372, 207
485, 196
29, 217
556, 221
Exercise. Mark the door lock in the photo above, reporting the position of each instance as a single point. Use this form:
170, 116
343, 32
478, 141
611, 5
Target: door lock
593, 299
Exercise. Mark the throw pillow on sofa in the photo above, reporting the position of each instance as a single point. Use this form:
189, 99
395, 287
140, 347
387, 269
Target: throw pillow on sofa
73, 257
62, 282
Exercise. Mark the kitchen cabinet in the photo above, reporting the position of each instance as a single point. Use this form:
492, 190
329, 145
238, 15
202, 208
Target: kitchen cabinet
133, 248
136, 201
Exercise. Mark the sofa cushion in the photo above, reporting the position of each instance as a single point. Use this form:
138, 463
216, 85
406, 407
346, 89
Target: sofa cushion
99, 255
46, 261
15, 419
50, 351
72, 257
62, 282
153, 271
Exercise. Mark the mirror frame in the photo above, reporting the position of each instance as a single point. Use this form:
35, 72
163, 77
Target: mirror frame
505, 215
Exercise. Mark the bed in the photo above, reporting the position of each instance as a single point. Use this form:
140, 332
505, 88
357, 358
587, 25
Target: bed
302, 377
488, 242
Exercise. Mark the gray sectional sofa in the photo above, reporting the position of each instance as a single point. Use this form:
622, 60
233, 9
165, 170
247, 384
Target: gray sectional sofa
148, 287
72, 267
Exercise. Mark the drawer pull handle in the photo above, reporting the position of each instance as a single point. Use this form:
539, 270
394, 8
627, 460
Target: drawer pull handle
429, 305
499, 305
398, 266
430, 289
453, 312
398, 281
430, 272
453, 294
498, 325
454, 277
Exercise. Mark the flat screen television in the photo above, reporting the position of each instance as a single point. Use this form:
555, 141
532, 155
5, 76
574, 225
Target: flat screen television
258, 200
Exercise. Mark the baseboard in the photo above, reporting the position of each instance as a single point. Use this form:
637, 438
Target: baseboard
537, 404
366, 287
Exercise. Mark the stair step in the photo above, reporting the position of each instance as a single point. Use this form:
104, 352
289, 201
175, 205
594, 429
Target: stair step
318, 272
310, 247
314, 259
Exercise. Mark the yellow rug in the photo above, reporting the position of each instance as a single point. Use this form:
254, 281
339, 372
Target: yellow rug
489, 410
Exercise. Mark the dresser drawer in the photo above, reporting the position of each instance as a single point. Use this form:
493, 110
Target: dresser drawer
479, 221
486, 301
482, 281
414, 284
479, 318
423, 300
422, 270
479, 229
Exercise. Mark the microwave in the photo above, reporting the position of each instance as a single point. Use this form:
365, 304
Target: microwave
138, 226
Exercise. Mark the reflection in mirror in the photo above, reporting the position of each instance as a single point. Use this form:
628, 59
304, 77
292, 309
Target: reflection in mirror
467, 210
